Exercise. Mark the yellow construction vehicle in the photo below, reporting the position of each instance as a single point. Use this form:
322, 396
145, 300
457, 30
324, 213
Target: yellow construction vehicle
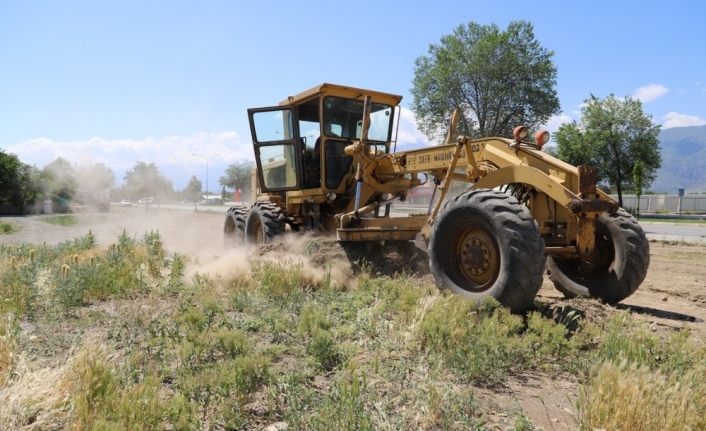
325, 165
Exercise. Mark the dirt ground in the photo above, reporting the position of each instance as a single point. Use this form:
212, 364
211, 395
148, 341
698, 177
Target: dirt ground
673, 295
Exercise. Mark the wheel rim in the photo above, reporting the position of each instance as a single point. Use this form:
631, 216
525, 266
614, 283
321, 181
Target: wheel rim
478, 261
604, 259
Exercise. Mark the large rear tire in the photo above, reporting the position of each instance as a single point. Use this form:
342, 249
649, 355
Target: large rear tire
234, 227
265, 221
484, 243
622, 259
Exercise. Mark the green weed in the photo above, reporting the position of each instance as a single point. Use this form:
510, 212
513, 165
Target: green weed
395, 296
484, 342
63, 220
313, 320
284, 283
7, 228
449, 409
101, 401
323, 348
522, 423
18, 284
344, 408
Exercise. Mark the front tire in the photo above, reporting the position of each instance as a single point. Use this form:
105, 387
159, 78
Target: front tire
484, 243
265, 221
622, 259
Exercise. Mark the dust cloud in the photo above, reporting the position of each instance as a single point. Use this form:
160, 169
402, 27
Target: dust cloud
290, 249
198, 235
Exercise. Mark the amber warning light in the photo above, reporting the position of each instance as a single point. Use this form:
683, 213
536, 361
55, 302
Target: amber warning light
520, 133
541, 138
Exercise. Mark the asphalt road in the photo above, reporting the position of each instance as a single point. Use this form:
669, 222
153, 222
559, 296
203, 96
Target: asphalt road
674, 232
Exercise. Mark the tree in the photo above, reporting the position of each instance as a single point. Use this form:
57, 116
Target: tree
145, 180
192, 191
613, 135
237, 175
58, 182
17, 186
497, 79
638, 173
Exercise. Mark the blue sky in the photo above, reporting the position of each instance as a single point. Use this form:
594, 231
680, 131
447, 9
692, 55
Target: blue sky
161, 81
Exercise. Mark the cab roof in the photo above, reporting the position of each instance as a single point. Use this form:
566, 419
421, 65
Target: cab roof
327, 89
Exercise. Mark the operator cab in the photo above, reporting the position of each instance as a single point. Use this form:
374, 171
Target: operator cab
300, 144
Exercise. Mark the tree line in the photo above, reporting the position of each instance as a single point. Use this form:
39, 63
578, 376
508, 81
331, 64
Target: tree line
25, 188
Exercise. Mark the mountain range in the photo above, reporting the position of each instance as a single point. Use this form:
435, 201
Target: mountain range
683, 160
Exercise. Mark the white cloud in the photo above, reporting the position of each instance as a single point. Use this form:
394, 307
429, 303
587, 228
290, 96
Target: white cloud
409, 137
123, 153
556, 121
675, 119
178, 157
650, 93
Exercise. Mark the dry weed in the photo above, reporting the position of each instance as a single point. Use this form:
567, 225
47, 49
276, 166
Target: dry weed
8, 343
626, 397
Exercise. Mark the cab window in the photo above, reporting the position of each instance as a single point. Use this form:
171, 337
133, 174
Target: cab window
278, 166
344, 118
273, 126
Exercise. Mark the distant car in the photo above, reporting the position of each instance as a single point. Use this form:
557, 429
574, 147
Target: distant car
125, 203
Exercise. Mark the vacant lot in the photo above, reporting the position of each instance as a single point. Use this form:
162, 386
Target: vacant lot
147, 322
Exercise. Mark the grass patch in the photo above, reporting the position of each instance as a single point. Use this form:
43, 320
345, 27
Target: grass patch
7, 228
484, 342
62, 219
278, 345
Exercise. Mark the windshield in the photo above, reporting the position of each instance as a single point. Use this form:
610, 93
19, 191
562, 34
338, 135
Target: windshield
344, 118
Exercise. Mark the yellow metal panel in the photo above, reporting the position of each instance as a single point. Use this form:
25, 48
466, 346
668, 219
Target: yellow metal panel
308, 195
527, 175
376, 234
342, 91
410, 222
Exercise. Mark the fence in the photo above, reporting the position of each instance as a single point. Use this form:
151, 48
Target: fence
666, 203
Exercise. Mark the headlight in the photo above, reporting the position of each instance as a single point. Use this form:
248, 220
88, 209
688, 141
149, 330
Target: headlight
541, 138
520, 133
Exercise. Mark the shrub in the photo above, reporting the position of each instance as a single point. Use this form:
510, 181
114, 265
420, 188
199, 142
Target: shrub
6, 228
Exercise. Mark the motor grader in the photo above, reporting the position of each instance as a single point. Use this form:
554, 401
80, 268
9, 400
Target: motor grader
326, 165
